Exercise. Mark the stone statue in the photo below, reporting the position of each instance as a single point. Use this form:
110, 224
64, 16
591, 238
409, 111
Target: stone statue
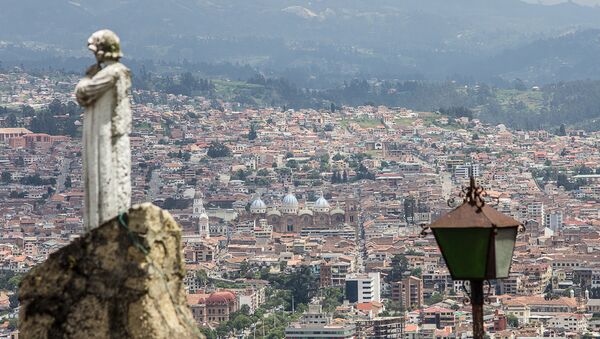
103, 92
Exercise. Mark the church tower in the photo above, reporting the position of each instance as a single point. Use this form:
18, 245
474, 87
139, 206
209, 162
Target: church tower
199, 216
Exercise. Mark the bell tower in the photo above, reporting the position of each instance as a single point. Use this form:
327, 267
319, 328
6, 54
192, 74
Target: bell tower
351, 211
199, 216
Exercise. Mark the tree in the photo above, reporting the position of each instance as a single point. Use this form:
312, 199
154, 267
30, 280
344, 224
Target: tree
395, 306
292, 164
332, 298
301, 283
239, 175
512, 320
218, 150
584, 170
13, 324
435, 298
337, 157
519, 85
11, 120
416, 272
36, 180
27, 111
335, 177
562, 131
244, 268
363, 173
202, 277
399, 266
562, 180
6, 177
252, 135
208, 333
409, 209
13, 299
263, 172
56, 107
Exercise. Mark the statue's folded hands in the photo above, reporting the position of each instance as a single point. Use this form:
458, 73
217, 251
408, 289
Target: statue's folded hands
89, 89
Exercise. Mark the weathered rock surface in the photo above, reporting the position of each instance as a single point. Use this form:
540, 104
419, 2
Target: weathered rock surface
103, 285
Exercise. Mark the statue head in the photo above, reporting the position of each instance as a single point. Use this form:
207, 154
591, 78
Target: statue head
106, 45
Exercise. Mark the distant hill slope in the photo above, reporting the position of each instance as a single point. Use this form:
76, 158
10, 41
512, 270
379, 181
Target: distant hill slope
570, 56
392, 38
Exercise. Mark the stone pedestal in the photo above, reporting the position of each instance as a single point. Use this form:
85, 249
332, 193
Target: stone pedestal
112, 283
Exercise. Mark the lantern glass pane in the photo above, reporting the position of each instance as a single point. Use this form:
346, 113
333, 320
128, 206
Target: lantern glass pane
505, 244
465, 251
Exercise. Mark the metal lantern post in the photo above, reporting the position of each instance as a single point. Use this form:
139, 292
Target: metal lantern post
477, 244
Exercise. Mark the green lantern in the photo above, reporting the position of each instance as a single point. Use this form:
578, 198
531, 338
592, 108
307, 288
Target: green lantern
476, 241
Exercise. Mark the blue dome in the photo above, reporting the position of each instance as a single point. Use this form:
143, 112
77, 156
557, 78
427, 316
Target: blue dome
258, 204
322, 203
290, 200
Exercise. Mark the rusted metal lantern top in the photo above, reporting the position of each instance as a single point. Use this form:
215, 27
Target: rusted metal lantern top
476, 241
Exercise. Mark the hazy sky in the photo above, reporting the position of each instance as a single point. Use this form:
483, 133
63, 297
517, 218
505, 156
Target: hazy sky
582, 2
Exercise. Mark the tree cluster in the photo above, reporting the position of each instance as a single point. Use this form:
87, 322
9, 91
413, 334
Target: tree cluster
457, 112
180, 155
36, 180
252, 134
179, 204
57, 119
337, 178
182, 84
218, 150
363, 173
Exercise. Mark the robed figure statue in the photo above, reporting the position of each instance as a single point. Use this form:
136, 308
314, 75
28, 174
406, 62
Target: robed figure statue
104, 93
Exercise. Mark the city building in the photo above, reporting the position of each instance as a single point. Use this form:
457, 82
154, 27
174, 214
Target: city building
363, 288
408, 292
315, 324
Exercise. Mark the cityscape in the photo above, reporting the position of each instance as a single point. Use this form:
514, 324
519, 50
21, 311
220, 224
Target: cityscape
302, 220
296, 169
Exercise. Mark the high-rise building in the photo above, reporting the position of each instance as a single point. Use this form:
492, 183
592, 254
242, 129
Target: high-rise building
408, 292
381, 328
553, 220
363, 288
464, 171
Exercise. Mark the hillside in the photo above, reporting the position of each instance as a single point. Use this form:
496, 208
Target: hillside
329, 40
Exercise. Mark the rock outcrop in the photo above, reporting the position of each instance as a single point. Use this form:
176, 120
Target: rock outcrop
121, 280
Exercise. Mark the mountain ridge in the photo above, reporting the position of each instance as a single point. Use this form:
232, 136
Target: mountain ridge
433, 38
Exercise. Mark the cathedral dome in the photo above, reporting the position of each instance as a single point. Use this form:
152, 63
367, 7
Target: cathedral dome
290, 201
258, 203
258, 206
322, 203
289, 204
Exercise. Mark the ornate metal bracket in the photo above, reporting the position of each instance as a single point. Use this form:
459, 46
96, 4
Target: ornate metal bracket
472, 194
467, 292
487, 298
522, 228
